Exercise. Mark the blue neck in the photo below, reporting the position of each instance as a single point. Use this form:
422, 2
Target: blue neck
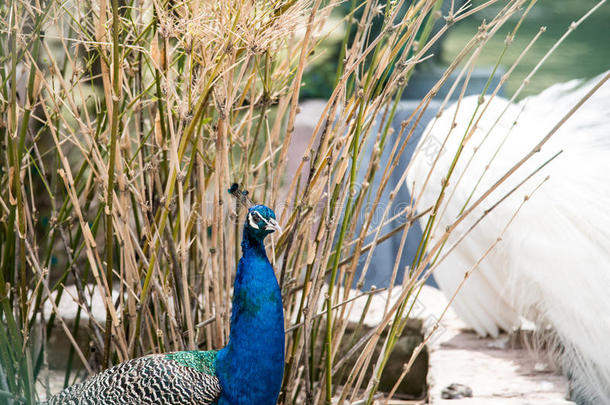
252, 243
250, 368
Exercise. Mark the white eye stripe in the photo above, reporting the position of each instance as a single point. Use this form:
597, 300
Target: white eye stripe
252, 222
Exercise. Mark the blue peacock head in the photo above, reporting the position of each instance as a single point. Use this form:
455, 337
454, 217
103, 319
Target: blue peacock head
261, 221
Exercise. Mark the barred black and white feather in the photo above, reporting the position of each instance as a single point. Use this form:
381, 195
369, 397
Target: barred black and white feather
150, 380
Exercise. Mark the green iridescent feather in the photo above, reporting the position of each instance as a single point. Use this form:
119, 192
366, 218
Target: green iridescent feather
204, 362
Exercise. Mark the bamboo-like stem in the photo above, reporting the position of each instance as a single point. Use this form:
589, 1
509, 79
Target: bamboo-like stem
114, 134
119, 148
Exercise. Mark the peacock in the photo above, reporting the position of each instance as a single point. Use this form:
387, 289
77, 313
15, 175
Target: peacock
549, 264
248, 370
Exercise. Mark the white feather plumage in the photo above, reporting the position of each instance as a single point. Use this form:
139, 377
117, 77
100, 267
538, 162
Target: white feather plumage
552, 265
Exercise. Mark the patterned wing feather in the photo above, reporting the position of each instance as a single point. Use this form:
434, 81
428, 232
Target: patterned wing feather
168, 379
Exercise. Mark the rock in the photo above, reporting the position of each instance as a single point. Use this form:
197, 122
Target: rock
456, 391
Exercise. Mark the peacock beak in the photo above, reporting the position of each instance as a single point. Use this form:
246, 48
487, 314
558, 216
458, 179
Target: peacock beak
273, 225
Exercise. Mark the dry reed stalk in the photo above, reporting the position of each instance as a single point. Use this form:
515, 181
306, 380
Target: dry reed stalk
126, 139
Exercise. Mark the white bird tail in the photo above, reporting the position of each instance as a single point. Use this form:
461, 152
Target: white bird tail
552, 265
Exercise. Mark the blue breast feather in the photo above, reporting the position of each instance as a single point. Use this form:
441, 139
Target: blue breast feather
250, 368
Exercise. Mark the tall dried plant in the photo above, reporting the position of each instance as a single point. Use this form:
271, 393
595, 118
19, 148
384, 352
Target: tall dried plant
123, 124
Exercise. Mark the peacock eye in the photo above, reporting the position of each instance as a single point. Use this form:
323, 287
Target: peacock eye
254, 219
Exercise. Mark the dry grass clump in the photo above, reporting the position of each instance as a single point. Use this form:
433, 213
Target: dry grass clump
124, 124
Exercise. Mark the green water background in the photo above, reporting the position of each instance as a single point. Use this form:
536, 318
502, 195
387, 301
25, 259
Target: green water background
584, 54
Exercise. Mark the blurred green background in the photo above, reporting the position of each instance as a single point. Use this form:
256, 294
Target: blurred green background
584, 54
